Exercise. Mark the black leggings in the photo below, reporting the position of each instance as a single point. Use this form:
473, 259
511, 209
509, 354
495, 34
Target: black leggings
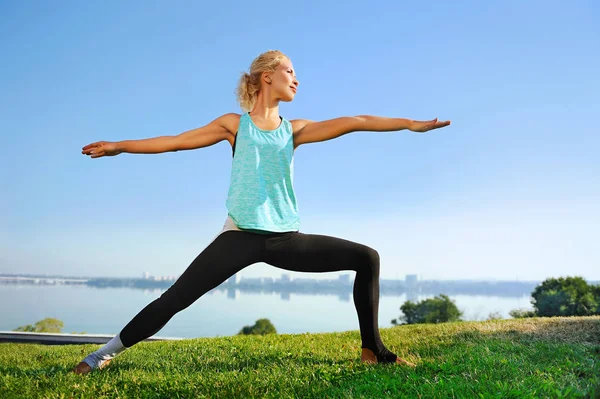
233, 250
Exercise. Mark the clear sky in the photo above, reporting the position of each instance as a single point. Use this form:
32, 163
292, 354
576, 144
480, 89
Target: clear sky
510, 190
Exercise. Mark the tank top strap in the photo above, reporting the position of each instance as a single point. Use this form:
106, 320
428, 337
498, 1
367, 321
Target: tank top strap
287, 125
242, 127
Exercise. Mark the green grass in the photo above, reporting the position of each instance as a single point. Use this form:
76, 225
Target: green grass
536, 358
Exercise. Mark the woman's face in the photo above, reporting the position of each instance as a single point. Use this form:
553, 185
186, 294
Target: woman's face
283, 81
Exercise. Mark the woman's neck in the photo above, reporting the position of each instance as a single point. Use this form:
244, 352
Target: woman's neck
265, 108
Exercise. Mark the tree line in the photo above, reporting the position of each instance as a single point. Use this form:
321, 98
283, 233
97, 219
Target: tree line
563, 296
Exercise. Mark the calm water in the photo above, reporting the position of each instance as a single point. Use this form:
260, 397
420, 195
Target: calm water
106, 311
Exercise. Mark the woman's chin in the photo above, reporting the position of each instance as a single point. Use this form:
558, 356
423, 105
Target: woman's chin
286, 96
287, 99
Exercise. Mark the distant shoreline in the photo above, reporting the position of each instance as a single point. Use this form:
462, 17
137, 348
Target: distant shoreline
341, 285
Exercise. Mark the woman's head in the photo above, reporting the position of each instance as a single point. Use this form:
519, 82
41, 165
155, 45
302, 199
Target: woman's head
270, 72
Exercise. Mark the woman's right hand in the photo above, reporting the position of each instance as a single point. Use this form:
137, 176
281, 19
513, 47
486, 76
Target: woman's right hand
101, 149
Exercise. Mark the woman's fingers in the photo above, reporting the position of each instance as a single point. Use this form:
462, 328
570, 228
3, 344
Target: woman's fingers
92, 149
87, 147
100, 149
437, 125
425, 126
432, 124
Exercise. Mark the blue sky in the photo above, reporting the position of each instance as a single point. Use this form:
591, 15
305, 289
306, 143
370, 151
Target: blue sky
510, 191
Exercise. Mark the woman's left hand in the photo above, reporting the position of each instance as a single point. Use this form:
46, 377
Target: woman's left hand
425, 126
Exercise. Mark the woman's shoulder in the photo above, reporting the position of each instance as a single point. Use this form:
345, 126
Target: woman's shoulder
298, 124
230, 121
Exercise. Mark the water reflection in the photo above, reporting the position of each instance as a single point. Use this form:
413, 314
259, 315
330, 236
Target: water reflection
223, 311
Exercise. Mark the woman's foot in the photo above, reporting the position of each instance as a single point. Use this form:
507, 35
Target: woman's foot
84, 368
368, 356
102, 357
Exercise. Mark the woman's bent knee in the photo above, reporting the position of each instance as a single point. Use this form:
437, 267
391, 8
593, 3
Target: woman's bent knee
369, 260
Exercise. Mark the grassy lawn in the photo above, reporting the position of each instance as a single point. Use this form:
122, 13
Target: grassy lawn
540, 357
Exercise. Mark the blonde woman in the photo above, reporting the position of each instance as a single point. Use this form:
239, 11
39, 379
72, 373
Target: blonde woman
262, 224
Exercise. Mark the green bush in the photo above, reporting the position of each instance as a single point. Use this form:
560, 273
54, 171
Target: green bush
48, 325
494, 316
521, 313
440, 309
261, 327
565, 296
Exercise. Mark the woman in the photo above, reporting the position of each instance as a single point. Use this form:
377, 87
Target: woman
262, 223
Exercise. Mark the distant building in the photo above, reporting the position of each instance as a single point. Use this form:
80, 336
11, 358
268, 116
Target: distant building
256, 281
413, 289
146, 275
411, 280
285, 278
344, 296
232, 293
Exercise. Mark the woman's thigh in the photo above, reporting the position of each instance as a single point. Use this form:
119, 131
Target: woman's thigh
229, 253
318, 253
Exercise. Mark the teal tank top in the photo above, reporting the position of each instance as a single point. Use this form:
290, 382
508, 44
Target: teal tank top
261, 194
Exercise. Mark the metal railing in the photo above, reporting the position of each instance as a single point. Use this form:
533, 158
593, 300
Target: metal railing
64, 339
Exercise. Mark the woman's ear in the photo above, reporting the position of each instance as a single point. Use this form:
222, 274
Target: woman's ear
266, 77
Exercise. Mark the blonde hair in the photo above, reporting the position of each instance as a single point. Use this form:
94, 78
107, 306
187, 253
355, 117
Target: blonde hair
249, 84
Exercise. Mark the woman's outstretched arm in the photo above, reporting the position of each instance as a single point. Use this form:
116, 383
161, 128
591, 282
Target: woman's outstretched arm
218, 130
306, 131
